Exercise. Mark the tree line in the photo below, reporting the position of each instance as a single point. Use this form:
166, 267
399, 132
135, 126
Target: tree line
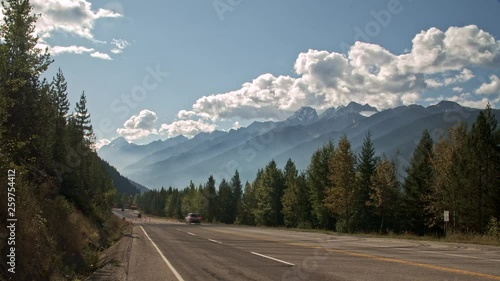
349, 192
63, 195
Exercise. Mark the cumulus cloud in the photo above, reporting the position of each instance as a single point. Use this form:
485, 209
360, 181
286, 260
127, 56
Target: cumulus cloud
71, 17
435, 51
461, 77
100, 55
139, 126
186, 128
74, 17
465, 100
368, 73
493, 87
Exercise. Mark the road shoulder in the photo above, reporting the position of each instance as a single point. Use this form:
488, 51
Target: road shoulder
113, 262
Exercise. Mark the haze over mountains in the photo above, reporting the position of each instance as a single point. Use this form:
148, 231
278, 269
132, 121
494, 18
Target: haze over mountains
176, 161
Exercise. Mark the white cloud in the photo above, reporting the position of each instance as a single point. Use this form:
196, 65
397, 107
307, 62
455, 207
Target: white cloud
435, 51
457, 89
57, 50
100, 143
139, 126
74, 17
184, 114
100, 55
71, 17
465, 99
368, 73
490, 88
120, 45
461, 77
186, 128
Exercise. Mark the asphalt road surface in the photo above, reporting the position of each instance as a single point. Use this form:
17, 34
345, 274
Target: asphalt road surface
177, 251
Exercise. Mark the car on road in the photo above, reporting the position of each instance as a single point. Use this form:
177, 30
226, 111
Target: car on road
193, 218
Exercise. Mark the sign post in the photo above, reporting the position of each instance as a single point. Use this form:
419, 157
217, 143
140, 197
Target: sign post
446, 216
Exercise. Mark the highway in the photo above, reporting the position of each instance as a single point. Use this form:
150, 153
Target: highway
166, 250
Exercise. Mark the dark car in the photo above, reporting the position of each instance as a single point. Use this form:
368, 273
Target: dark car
193, 218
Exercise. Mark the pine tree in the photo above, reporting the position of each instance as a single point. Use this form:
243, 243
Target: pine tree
384, 190
59, 87
367, 163
60, 95
236, 190
248, 206
20, 95
485, 166
82, 120
418, 186
296, 206
211, 195
318, 181
290, 196
225, 202
340, 199
269, 193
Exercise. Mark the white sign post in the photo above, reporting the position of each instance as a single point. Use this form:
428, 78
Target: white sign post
446, 216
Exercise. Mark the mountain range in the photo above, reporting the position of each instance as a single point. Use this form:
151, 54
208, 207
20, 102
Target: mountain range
176, 161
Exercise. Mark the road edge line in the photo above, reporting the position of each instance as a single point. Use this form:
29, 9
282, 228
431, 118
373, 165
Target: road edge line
179, 277
215, 241
271, 258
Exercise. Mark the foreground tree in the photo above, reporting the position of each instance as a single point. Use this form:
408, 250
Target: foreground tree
318, 182
248, 206
211, 195
340, 199
485, 166
384, 192
225, 203
366, 168
269, 193
418, 186
20, 87
236, 190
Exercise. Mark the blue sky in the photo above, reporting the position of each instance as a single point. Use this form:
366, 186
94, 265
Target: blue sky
231, 62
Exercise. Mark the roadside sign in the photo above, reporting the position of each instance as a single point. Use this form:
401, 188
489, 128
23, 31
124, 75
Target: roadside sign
446, 216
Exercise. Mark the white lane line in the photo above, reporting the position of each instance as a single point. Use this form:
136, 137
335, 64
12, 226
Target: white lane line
215, 241
191, 234
179, 277
271, 258
177, 229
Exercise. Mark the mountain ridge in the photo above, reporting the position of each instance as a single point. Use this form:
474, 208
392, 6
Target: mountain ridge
249, 148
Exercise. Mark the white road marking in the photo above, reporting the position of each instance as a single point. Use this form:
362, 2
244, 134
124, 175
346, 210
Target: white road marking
215, 241
177, 229
271, 258
179, 277
191, 234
